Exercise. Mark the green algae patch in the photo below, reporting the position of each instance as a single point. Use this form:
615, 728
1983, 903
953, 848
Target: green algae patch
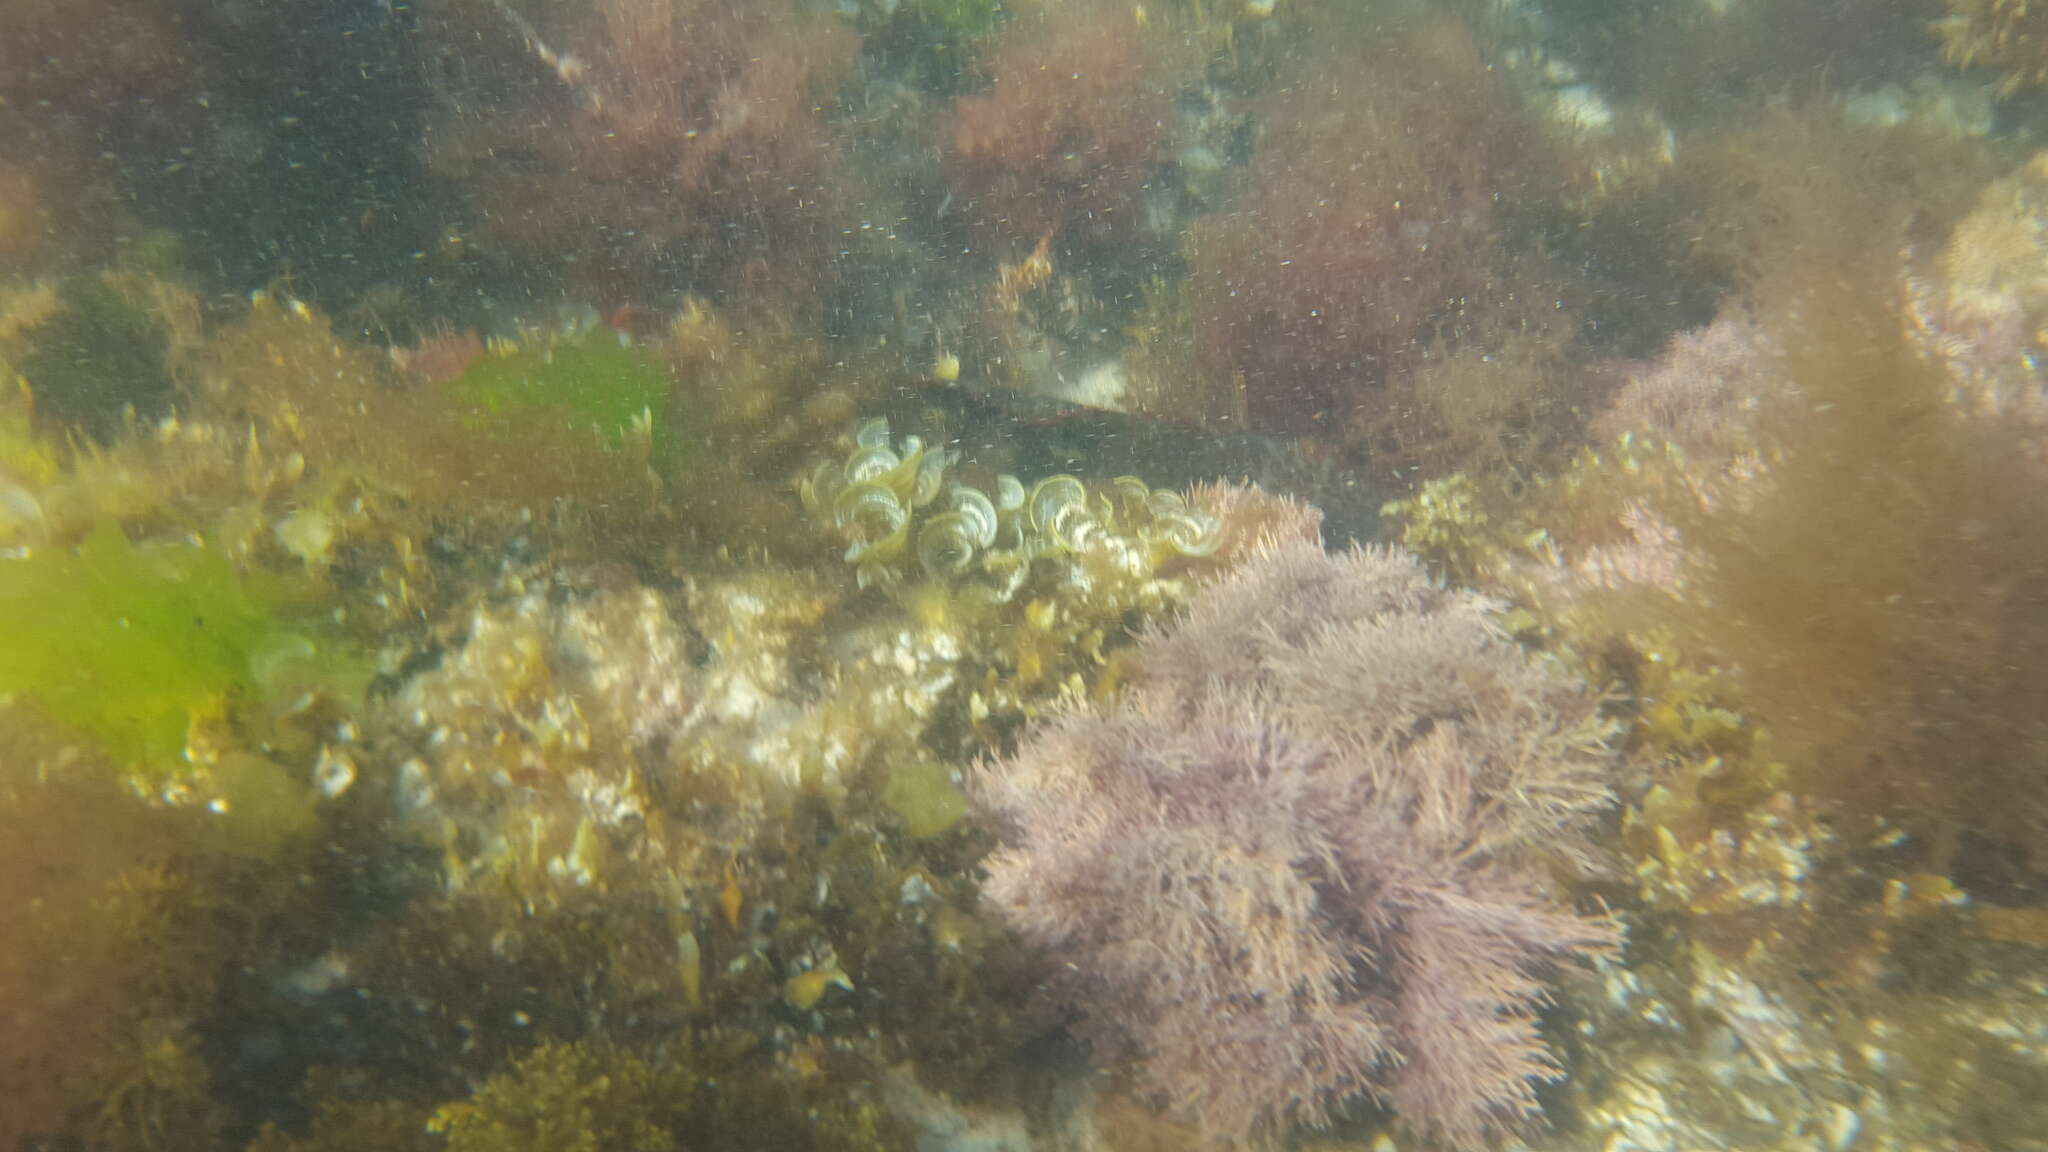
127, 643
594, 379
922, 794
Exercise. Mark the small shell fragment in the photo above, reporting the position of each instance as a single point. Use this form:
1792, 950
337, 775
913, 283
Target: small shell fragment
333, 773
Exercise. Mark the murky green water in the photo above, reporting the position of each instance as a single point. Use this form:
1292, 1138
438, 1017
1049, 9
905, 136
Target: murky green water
1023, 575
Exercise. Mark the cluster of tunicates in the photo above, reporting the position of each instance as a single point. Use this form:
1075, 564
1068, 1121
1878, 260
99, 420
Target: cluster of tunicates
893, 504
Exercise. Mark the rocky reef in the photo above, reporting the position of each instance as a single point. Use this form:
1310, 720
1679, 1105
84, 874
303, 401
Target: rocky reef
676, 574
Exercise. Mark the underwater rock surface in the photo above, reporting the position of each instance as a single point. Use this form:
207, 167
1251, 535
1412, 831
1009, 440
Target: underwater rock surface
1053, 576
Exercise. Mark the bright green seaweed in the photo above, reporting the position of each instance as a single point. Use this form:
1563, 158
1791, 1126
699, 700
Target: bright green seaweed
593, 379
126, 642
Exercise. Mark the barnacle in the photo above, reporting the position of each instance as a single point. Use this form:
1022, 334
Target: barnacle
974, 507
1055, 502
946, 545
1034, 579
875, 519
1009, 493
1188, 534
870, 464
931, 473
872, 433
884, 495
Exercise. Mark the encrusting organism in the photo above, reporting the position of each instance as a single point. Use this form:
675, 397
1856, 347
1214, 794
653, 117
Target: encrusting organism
1298, 860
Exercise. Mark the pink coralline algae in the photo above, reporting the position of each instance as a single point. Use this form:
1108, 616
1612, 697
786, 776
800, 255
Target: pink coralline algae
1299, 861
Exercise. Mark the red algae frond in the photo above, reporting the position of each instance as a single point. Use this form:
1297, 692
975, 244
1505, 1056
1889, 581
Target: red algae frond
1372, 201
690, 137
1073, 122
1310, 821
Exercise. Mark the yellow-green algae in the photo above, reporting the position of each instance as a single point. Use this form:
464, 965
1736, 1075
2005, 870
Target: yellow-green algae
129, 643
922, 793
595, 379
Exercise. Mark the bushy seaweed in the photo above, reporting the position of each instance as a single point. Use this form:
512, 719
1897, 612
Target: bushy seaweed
1881, 588
571, 1098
